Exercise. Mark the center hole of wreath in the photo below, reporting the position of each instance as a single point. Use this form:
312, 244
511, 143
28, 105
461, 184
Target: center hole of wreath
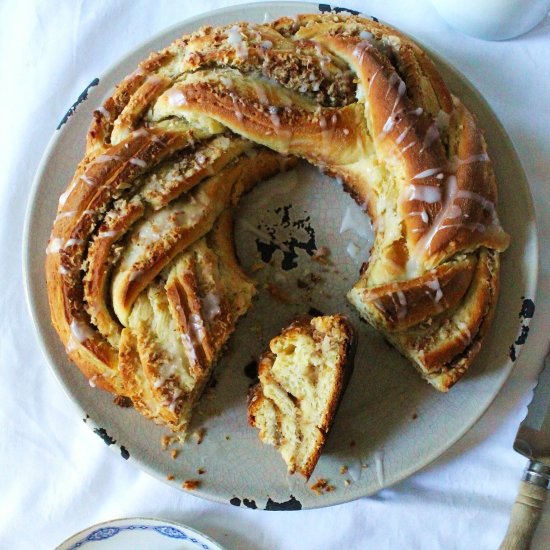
302, 237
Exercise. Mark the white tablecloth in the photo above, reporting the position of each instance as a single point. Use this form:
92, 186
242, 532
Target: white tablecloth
57, 477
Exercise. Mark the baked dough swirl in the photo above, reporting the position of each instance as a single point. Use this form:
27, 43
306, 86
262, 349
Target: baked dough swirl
143, 282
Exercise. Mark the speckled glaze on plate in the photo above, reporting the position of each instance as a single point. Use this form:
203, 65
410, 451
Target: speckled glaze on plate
390, 423
139, 534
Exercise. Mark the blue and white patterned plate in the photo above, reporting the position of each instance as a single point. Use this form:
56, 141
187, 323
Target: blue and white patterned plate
139, 534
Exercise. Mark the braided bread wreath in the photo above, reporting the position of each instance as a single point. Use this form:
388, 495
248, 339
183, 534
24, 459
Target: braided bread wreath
143, 282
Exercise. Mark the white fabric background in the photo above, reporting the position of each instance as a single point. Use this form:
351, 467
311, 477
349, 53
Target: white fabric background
57, 477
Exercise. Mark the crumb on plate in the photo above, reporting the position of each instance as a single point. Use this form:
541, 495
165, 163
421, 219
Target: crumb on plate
322, 486
198, 435
191, 484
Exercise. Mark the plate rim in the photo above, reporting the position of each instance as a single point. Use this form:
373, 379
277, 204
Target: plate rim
158, 521
31, 300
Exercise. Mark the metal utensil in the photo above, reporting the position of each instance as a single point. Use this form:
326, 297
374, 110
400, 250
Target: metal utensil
532, 441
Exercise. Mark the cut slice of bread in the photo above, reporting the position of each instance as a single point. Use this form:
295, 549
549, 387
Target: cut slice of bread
302, 378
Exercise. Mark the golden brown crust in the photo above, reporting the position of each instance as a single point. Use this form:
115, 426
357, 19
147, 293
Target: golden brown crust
198, 124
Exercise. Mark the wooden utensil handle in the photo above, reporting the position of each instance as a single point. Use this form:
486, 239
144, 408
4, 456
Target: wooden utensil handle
525, 517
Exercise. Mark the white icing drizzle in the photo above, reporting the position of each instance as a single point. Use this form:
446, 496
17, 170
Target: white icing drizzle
54, 246
426, 173
274, 115
238, 112
401, 304
197, 327
456, 162
366, 35
63, 270
104, 112
424, 193
403, 135
211, 306
360, 49
87, 180
74, 242
436, 287
476, 197
107, 234
260, 92
176, 97
407, 147
235, 39
65, 195
105, 158
189, 348
401, 89
61, 215
422, 213
465, 331
437, 225
92, 381
373, 78
392, 81
356, 222
81, 331
138, 162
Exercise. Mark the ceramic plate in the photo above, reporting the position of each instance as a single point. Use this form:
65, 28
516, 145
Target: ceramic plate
139, 534
391, 423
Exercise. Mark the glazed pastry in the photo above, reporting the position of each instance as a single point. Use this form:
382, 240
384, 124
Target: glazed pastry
302, 378
196, 126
